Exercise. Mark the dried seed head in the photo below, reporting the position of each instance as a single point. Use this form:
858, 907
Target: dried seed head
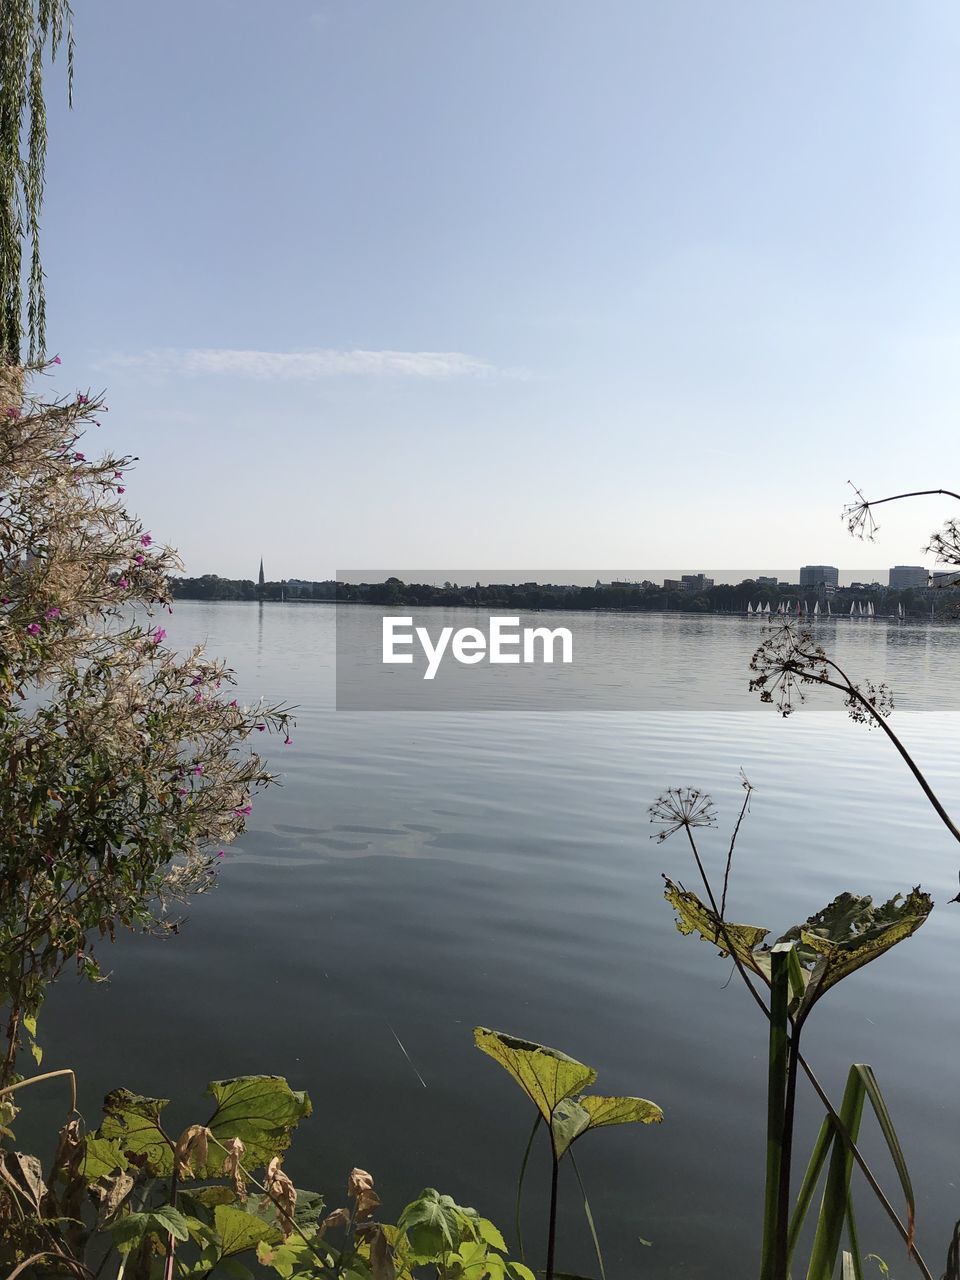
681, 807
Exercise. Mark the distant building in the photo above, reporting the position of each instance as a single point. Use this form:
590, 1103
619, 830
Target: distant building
819, 575
766, 582
694, 582
672, 584
904, 576
260, 582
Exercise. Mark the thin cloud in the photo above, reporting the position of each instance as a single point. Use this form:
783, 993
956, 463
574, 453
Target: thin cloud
309, 366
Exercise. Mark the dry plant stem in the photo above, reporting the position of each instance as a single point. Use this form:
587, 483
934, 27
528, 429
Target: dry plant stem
49, 1253
917, 493
47, 1075
733, 841
838, 1124
848, 688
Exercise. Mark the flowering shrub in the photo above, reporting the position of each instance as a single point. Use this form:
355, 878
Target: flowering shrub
123, 765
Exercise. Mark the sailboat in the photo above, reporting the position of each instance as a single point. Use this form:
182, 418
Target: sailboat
749, 608
816, 609
766, 607
900, 612
852, 608
829, 610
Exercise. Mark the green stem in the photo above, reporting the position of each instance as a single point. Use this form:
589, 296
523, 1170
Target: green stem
776, 1103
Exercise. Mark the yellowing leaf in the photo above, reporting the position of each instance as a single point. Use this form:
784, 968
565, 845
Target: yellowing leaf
696, 917
620, 1110
545, 1075
134, 1122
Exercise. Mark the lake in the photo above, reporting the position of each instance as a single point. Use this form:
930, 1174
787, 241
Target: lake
421, 873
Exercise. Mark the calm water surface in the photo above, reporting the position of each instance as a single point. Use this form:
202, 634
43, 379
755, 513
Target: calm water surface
419, 874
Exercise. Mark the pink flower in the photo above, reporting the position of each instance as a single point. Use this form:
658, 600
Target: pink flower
79, 457
288, 741
198, 769
118, 475
57, 360
260, 728
82, 399
137, 559
244, 809
182, 791
198, 696
121, 489
197, 680
33, 629
145, 540
52, 614
158, 635
13, 413
220, 853
122, 583
233, 703
5, 600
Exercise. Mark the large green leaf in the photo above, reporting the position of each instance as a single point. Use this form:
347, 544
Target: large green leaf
433, 1223
262, 1111
134, 1122
101, 1157
545, 1075
238, 1231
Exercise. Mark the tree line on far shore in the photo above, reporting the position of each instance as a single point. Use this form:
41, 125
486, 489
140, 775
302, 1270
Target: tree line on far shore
642, 597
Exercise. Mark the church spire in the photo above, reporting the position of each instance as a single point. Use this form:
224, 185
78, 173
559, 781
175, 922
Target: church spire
260, 579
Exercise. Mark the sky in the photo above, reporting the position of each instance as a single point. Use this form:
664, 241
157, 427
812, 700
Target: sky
514, 282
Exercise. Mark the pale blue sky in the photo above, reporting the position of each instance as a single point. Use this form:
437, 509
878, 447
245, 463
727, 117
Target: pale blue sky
514, 282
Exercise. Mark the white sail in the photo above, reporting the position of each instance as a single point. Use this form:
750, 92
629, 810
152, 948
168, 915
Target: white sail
829, 610
749, 607
816, 609
852, 608
766, 607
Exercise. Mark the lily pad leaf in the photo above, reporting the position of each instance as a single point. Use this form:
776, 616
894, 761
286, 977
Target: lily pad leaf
604, 1111
262, 1111
545, 1075
134, 1121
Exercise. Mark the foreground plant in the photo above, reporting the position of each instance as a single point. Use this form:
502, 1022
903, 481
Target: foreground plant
138, 1201
554, 1082
798, 970
124, 765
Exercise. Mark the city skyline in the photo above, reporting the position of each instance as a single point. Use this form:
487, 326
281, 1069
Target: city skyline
684, 579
